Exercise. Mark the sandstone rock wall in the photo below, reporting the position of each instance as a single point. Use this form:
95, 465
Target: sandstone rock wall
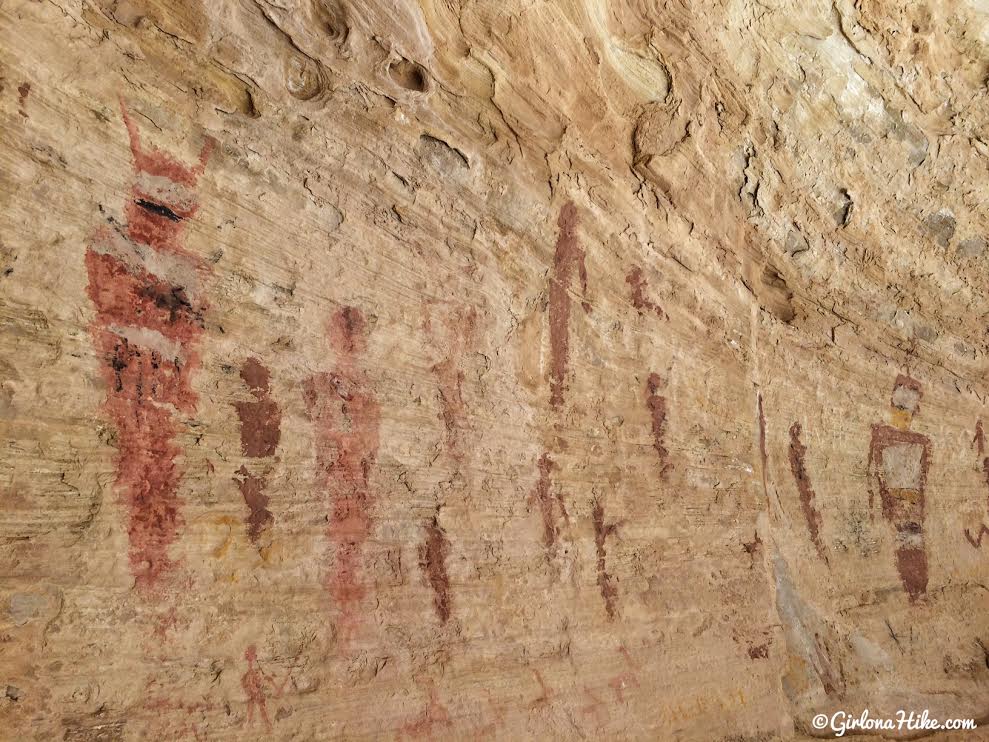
516, 370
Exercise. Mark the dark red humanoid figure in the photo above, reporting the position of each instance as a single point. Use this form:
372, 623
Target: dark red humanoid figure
146, 289
898, 464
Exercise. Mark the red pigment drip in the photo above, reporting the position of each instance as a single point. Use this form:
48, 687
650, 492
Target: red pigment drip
346, 417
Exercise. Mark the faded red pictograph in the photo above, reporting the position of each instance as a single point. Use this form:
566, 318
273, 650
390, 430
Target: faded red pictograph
638, 285
433, 715
23, 91
175, 717
568, 256
596, 708
346, 419
543, 698
763, 454
606, 582
976, 540
260, 419
808, 499
254, 681
626, 679
656, 403
454, 330
150, 303
260, 432
898, 463
432, 560
252, 489
979, 442
551, 509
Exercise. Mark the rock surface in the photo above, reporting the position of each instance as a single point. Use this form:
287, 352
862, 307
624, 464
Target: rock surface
493, 369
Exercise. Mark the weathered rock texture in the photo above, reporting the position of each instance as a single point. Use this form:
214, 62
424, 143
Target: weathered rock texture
567, 369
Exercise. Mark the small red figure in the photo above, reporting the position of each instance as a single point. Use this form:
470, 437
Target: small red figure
254, 681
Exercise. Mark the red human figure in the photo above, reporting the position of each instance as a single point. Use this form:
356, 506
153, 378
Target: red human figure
146, 289
260, 432
568, 255
254, 682
346, 418
898, 463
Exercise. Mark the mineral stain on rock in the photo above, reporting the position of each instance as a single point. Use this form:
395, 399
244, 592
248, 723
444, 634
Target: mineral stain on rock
346, 419
808, 500
568, 255
149, 315
432, 560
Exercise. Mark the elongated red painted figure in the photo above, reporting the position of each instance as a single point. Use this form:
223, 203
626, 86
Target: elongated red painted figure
569, 255
346, 417
899, 460
147, 292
